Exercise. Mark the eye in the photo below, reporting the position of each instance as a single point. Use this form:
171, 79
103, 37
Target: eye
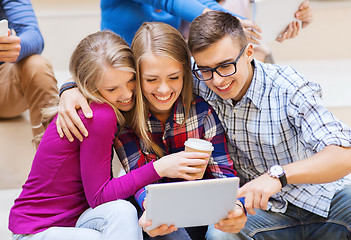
111, 89
132, 80
174, 78
151, 79
224, 66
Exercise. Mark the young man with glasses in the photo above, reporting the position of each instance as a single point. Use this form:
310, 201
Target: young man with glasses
288, 149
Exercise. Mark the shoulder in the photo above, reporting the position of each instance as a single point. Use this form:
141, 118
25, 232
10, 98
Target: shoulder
285, 78
104, 117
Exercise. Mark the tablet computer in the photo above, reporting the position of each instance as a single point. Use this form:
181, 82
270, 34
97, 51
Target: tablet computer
190, 203
273, 16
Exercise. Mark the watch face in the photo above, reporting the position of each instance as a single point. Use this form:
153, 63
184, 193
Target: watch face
276, 170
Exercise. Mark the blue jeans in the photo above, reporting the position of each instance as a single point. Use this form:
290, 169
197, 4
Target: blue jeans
296, 223
109, 221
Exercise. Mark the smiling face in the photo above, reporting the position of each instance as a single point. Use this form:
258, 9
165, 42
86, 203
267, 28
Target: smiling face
162, 83
117, 87
223, 51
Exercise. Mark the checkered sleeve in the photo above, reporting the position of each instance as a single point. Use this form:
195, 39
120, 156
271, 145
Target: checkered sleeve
127, 146
317, 126
220, 163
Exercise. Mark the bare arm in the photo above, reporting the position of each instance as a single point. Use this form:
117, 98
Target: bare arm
328, 165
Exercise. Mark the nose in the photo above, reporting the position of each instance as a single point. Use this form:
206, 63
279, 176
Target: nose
163, 88
127, 93
216, 80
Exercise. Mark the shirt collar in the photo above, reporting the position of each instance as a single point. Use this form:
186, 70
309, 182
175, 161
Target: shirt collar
257, 87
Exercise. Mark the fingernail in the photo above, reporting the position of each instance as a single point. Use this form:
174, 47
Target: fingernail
85, 134
89, 114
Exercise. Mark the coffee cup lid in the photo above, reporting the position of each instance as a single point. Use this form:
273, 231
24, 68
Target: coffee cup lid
199, 144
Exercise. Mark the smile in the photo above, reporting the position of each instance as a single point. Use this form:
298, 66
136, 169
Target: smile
127, 101
225, 87
163, 98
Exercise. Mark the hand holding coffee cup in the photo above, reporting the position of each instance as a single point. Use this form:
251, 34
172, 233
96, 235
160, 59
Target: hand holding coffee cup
199, 145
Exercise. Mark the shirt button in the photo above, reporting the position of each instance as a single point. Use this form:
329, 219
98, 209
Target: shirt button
233, 136
235, 111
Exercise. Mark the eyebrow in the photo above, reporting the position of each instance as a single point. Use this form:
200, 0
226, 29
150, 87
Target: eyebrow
150, 75
217, 64
116, 86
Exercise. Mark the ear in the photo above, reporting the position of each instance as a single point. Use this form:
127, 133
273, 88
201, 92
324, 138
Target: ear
249, 52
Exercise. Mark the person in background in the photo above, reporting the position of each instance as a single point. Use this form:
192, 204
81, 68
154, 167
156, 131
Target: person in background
262, 51
124, 17
26, 78
290, 152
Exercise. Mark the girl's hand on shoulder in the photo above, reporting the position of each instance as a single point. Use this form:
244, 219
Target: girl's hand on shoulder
68, 121
181, 165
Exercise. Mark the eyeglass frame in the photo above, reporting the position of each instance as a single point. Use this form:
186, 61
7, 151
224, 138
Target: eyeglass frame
215, 68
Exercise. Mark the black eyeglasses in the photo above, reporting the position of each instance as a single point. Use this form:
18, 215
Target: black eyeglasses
223, 70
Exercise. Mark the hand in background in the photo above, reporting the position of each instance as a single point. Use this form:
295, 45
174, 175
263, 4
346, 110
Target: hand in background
10, 47
291, 31
251, 30
304, 13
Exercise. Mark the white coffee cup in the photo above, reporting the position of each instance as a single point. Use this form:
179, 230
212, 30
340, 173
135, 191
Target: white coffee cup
199, 145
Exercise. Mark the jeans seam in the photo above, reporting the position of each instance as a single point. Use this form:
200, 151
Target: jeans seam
273, 228
89, 220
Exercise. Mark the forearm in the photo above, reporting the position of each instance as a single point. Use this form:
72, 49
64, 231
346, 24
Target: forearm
328, 165
21, 18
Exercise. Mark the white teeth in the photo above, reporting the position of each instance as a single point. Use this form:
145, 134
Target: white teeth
225, 86
127, 101
163, 98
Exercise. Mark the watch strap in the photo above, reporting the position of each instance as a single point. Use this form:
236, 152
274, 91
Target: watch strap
283, 180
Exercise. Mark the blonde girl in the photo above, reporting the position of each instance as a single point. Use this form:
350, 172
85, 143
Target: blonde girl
70, 193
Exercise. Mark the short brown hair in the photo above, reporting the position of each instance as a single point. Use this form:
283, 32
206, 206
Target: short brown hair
212, 26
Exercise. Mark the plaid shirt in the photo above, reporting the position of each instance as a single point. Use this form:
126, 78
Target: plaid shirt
202, 122
281, 119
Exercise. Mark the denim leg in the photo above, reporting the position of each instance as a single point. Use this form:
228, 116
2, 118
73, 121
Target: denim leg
262, 221
338, 223
62, 233
296, 223
114, 220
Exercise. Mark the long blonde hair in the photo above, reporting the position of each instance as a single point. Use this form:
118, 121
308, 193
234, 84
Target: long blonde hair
88, 63
163, 40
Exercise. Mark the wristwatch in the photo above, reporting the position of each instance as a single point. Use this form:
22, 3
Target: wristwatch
277, 171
